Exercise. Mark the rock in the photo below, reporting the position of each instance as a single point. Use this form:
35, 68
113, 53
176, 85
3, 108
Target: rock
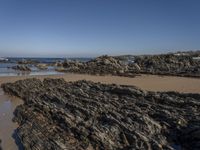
176, 64
87, 115
131, 66
42, 66
103, 65
58, 64
21, 68
168, 64
190, 137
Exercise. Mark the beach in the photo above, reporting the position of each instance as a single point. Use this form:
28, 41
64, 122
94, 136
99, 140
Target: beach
83, 113
99, 75
145, 82
7, 127
125, 81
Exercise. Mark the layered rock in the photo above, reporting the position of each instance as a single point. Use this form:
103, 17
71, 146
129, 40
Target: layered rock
170, 64
103, 65
177, 64
21, 68
85, 115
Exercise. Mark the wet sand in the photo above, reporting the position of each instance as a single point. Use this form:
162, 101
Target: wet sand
146, 82
7, 127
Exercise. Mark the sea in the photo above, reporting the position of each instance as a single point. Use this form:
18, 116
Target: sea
6, 65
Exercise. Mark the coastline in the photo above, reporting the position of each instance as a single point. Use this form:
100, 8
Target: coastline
154, 83
90, 111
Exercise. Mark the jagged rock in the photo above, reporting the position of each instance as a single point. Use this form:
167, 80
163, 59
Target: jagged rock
177, 64
21, 68
169, 64
86, 115
103, 65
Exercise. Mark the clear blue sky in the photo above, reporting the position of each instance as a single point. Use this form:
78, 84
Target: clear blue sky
94, 27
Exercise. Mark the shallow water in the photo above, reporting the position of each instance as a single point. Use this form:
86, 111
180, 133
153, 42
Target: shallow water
7, 127
5, 70
10, 74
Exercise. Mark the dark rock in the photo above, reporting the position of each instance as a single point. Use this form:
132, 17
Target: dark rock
86, 115
103, 65
176, 64
21, 68
169, 64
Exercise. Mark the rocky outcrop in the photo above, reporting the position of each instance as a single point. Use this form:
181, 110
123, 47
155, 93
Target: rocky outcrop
103, 65
85, 115
170, 64
21, 68
177, 64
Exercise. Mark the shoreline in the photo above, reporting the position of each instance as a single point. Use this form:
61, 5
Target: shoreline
156, 83
8, 104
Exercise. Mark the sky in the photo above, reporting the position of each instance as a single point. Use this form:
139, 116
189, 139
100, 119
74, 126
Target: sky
85, 28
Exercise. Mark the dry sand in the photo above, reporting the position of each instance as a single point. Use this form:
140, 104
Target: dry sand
146, 82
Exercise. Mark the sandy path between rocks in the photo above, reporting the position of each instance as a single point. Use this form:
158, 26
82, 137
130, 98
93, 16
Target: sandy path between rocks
146, 82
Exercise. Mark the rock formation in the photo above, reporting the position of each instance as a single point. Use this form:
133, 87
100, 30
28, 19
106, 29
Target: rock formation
177, 64
21, 68
103, 65
169, 65
85, 115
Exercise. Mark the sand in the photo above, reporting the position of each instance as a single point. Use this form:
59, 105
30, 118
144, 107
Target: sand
7, 126
145, 82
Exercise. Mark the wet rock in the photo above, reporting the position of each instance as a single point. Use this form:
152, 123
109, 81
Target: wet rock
87, 115
21, 68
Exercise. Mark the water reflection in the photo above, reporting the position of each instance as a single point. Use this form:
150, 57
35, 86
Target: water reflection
7, 127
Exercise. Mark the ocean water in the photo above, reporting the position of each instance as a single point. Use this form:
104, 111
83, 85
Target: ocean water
6, 66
